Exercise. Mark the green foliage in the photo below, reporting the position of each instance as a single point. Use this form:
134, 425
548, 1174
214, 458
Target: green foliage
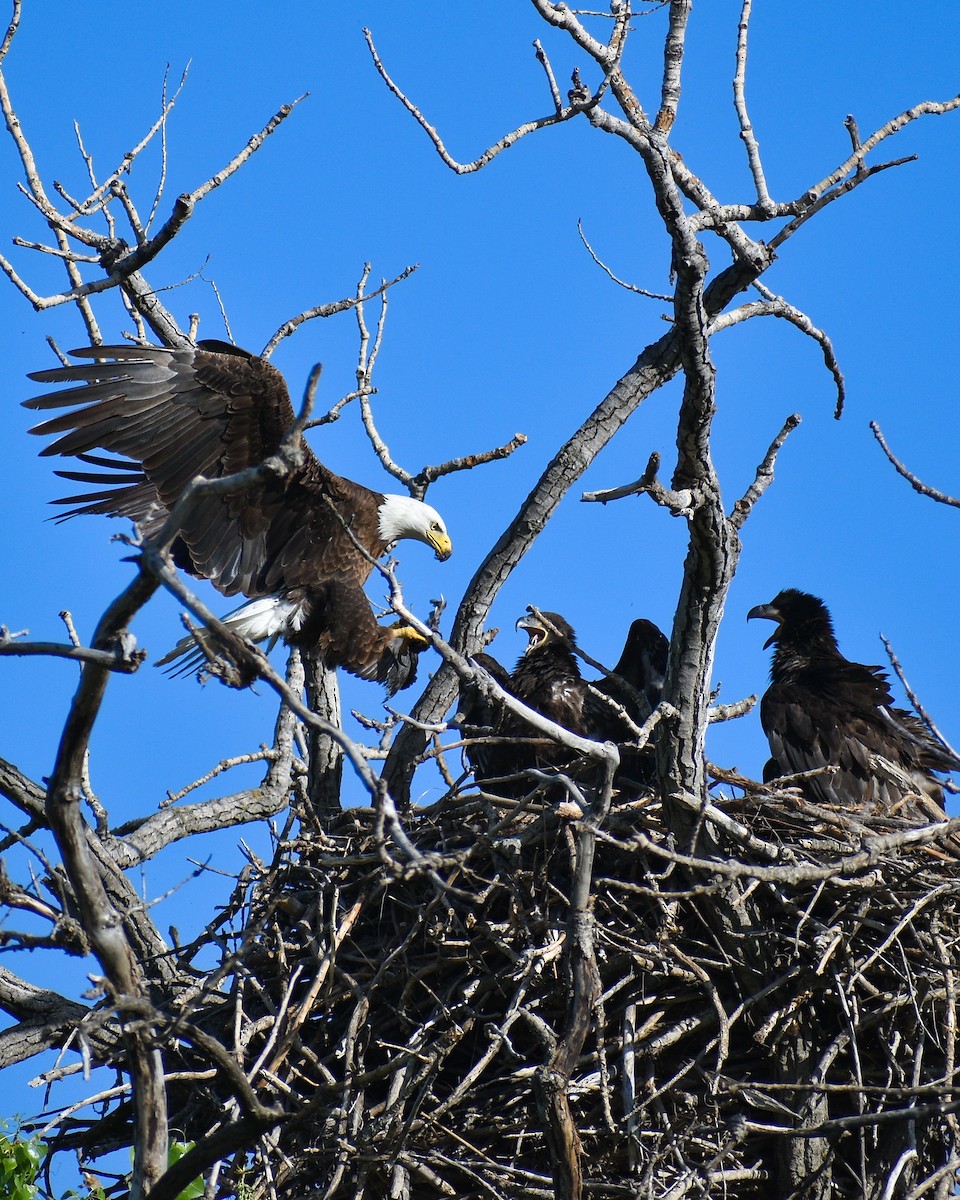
95, 1192
195, 1189
20, 1161
176, 1151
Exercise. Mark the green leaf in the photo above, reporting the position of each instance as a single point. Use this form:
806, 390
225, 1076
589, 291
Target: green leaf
177, 1150
194, 1189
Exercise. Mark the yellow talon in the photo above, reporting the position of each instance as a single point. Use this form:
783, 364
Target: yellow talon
408, 632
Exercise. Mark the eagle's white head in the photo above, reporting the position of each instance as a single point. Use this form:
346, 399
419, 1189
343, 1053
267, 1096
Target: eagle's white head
404, 517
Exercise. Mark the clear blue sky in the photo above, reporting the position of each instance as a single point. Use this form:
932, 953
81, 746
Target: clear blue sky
508, 325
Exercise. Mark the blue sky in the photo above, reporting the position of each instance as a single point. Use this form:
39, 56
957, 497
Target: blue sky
507, 326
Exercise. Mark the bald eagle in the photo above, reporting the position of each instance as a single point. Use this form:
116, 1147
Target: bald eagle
823, 710
547, 678
213, 410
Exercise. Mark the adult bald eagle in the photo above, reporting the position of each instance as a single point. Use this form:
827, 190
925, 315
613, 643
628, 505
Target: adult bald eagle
823, 710
175, 414
547, 678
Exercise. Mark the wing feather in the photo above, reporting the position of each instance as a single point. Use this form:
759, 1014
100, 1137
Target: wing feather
823, 722
180, 413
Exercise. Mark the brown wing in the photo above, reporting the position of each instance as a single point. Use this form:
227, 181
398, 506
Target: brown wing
636, 685
842, 717
175, 414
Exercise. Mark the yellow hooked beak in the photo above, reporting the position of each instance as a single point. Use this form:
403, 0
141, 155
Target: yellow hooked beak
442, 546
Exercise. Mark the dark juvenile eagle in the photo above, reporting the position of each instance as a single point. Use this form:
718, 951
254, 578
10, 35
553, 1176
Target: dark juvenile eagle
823, 710
175, 414
642, 667
547, 678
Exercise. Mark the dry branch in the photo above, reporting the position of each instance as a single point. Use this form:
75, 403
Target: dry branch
917, 484
101, 921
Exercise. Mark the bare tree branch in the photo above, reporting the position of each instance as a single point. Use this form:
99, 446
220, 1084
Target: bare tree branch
329, 310
672, 64
101, 921
740, 102
917, 484
764, 476
631, 287
488, 155
680, 504
123, 657
776, 306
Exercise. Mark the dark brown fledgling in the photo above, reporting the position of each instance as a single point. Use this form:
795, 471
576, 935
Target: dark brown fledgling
823, 710
547, 678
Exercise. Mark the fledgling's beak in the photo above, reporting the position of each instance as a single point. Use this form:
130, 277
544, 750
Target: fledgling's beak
767, 612
534, 631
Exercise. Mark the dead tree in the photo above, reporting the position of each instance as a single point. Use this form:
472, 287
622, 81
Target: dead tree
612, 994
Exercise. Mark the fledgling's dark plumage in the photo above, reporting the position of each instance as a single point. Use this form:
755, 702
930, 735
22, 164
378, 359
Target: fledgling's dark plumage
547, 678
212, 411
823, 710
642, 667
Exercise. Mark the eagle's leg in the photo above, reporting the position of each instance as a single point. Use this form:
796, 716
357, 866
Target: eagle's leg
341, 622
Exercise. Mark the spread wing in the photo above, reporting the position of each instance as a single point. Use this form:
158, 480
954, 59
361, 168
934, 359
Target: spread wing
171, 415
642, 666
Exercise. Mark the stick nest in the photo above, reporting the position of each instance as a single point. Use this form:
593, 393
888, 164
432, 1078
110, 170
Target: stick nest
747, 1030
776, 1018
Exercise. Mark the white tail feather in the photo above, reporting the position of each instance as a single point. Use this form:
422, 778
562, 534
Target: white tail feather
264, 617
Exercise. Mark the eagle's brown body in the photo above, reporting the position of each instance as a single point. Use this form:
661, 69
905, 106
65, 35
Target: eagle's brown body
821, 710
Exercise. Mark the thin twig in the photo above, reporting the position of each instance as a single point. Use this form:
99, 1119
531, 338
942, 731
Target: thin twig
764, 475
917, 484
630, 287
489, 154
740, 103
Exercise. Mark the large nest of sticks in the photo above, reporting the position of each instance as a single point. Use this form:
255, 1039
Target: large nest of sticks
536, 998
